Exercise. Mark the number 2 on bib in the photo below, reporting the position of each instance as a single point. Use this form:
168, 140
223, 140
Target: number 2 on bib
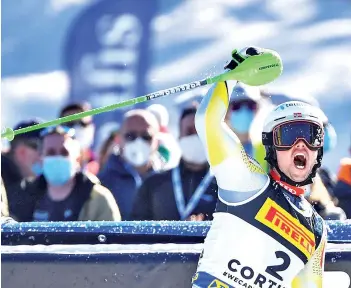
274, 269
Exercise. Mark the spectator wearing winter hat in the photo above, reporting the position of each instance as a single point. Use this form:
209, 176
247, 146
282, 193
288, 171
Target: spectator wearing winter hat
168, 147
20, 166
22, 161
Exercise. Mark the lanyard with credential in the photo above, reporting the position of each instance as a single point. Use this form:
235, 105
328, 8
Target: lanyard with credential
183, 210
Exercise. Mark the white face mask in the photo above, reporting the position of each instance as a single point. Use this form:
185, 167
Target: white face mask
137, 152
192, 149
85, 135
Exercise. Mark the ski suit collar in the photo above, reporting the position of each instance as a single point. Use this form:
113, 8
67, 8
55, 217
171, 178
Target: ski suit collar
297, 191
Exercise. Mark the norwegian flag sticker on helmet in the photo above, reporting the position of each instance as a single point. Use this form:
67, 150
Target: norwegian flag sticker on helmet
297, 115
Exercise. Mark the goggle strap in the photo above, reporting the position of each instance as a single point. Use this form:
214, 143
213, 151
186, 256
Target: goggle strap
267, 138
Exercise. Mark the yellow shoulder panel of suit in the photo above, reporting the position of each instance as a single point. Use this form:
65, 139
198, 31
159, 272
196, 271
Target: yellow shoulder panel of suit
215, 136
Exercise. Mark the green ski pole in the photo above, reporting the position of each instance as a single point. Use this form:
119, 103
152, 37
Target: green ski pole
255, 68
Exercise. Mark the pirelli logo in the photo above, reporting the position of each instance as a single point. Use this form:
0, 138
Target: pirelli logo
279, 220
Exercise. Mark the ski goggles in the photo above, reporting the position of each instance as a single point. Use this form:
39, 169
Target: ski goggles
287, 134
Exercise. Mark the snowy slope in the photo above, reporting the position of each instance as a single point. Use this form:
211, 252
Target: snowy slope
191, 41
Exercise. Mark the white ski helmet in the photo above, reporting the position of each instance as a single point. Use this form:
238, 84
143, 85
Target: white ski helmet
290, 112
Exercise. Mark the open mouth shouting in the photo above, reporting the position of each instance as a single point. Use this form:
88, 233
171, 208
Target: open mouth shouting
300, 160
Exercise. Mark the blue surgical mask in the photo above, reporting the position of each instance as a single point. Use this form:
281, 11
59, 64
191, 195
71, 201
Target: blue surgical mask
241, 119
58, 169
330, 138
37, 169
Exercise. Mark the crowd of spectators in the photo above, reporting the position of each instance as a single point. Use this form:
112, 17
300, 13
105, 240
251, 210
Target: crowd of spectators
142, 171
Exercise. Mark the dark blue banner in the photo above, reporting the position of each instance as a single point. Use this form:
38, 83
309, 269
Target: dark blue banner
107, 56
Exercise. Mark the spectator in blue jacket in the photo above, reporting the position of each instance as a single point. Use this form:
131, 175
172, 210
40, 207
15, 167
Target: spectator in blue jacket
134, 159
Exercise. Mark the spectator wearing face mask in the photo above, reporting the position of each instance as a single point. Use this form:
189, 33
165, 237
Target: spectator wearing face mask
20, 166
135, 158
168, 147
22, 161
186, 192
240, 116
85, 131
63, 192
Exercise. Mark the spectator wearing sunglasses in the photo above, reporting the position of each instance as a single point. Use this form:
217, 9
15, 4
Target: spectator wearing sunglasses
186, 192
84, 133
63, 192
240, 116
135, 158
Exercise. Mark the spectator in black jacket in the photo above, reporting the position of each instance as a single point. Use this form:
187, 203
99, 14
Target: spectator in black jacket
187, 192
22, 161
20, 166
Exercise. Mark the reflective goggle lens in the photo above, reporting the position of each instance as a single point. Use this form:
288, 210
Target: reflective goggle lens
287, 134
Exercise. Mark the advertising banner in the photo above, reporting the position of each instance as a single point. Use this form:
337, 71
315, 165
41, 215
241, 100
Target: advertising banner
107, 56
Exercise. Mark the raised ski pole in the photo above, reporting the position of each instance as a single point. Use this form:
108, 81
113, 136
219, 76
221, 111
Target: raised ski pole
257, 66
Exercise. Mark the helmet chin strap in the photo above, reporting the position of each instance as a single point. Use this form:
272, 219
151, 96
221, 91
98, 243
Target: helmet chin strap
271, 158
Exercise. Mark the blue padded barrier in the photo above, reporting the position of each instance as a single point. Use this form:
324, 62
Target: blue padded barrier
128, 232
126, 254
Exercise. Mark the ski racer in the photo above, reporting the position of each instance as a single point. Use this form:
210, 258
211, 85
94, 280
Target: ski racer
264, 233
